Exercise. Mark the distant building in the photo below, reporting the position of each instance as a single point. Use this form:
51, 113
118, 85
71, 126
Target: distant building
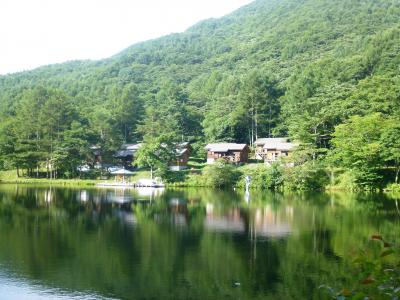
272, 149
183, 151
96, 154
126, 153
236, 153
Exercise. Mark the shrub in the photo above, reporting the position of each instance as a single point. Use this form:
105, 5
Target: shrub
263, 176
376, 273
309, 176
220, 174
393, 187
348, 181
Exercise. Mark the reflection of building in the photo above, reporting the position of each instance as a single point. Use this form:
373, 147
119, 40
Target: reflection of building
83, 196
268, 223
263, 222
148, 193
48, 195
229, 222
119, 195
179, 212
271, 149
236, 153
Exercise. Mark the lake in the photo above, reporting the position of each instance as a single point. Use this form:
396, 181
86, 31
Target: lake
87, 243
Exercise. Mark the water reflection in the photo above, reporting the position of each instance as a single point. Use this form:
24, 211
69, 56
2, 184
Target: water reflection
230, 221
13, 288
181, 244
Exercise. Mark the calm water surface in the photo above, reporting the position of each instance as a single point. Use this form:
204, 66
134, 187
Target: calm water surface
65, 243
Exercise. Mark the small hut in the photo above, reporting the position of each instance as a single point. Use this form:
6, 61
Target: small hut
121, 174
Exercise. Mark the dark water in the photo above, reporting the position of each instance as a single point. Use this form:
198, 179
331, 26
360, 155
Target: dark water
59, 243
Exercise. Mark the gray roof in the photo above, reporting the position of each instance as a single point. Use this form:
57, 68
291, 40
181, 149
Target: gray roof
122, 172
96, 150
275, 143
180, 152
225, 147
131, 146
124, 153
127, 150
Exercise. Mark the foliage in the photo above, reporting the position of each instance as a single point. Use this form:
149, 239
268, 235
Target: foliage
390, 141
309, 176
376, 273
220, 174
363, 145
156, 153
347, 181
393, 187
313, 70
263, 176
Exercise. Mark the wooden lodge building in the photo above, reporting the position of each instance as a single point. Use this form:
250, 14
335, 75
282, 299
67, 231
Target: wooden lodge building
125, 155
183, 151
96, 155
236, 153
272, 149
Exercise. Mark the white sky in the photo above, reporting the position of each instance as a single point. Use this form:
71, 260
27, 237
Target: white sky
40, 32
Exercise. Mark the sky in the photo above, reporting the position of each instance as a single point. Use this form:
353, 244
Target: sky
41, 32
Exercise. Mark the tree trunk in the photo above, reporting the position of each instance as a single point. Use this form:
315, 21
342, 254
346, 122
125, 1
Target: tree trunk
126, 132
396, 180
269, 120
256, 124
17, 172
151, 172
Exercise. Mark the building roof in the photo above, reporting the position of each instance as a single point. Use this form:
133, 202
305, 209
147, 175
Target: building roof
225, 147
182, 148
131, 146
275, 143
124, 153
122, 172
127, 150
270, 141
95, 149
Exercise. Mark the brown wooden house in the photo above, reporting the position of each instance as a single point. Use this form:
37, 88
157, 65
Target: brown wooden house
183, 151
272, 149
236, 153
96, 155
125, 155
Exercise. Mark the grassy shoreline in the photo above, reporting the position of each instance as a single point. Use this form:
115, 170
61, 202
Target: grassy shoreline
10, 177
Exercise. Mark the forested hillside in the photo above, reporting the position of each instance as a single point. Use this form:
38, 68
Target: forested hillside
274, 67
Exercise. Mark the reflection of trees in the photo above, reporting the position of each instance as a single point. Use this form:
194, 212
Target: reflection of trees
287, 246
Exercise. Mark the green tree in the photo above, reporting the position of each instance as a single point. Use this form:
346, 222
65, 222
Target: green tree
357, 146
390, 141
258, 99
127, 110
220, 174
156, 153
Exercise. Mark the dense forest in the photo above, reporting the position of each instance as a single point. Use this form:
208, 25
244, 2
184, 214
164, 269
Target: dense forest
326, 73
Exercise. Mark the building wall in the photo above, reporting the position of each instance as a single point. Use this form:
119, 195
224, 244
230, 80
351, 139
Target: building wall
259, 153
273, 155
181, 163
232, 156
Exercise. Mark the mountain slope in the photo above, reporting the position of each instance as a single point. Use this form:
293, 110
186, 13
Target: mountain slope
304, 45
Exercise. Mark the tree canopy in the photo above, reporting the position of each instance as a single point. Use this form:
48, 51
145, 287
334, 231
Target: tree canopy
271, 68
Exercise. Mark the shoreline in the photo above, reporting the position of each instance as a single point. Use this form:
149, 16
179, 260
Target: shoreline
93, 183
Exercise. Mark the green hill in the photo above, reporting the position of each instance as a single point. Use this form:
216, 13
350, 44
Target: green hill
297, 67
